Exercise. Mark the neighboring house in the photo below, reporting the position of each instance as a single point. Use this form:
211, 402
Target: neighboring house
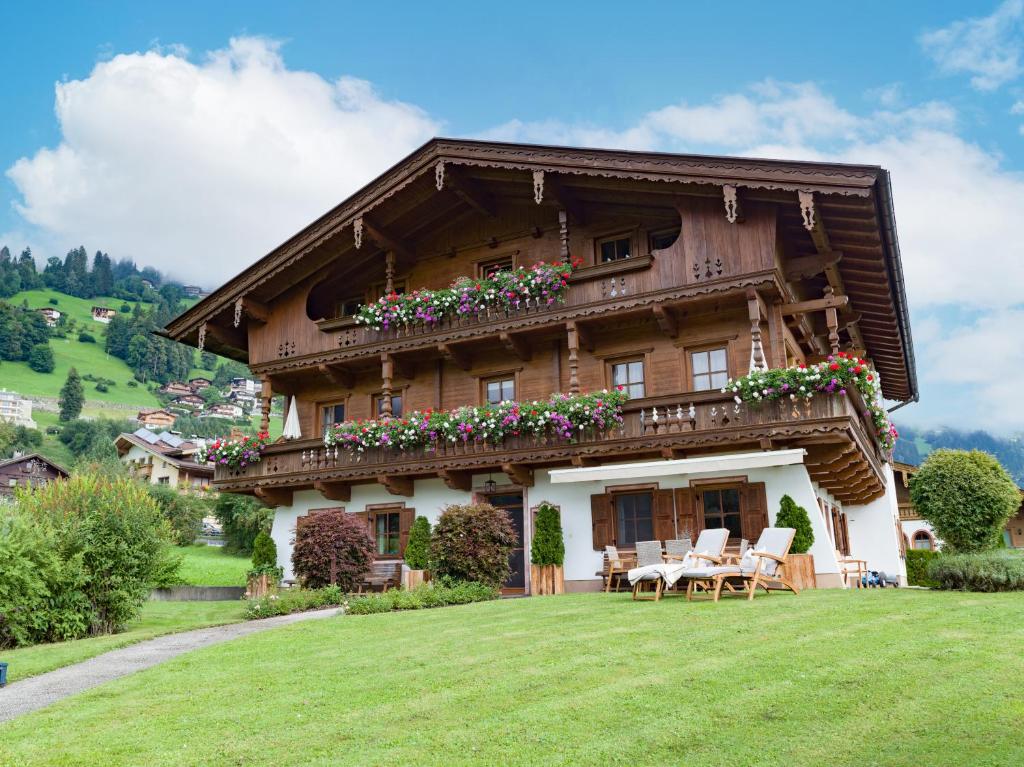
693, 270
918, 532
198, 384
175, 388
28, 471
246, 401
156, 418
103, 314
16, 409
190, 401
147, 284
51, 315
164, 458
244, 386
224, 410
192, 291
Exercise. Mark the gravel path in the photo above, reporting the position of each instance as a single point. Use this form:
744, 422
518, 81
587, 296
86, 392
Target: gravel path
40, 691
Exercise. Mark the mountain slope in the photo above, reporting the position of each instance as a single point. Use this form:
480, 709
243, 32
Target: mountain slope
913, 446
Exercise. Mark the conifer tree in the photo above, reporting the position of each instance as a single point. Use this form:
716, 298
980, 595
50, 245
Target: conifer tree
72, 397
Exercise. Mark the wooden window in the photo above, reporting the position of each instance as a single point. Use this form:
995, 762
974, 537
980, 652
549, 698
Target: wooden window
613, 248
634, 518
396, 405
710, 369
923, 540
386, 533
164, 480
498, 390
629, 374
347, 307
662, 239
331, 414
487, 268
721, 507
377, 289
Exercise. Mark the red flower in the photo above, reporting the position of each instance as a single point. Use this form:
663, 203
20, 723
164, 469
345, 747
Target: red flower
871, 378
834, 366
857, 369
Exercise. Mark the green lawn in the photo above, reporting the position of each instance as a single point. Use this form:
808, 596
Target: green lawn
212, 566
157, 618
838, 678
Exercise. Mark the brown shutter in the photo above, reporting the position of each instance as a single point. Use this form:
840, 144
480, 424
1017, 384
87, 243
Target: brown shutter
754, 514
664, 518
686, 513
405, 521
846, 533
601, 519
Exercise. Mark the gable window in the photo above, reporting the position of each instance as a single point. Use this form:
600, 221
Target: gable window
722, 509
710, 369
396, 405
614, 248
487, 268
500, 390
331, 414
630, 376
387, 533
634, 520
662, 239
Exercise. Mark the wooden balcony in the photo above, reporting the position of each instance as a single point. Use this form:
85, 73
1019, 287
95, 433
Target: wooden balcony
842, 454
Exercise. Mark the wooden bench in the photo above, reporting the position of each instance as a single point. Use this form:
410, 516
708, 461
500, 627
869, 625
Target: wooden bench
384, 574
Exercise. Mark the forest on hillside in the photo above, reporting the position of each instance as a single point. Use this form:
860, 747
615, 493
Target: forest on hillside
914, 445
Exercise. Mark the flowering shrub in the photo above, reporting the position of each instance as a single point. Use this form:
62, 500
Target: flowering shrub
540, 285
332, 548
237, 453
833, 376
563, 415
472, 543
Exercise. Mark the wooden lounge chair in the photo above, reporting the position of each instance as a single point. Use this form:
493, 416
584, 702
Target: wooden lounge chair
647, 571
762, 566
616, 566
676, 550
708, 550
848, 566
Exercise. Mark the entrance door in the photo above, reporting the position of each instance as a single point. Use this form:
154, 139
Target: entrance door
512, 504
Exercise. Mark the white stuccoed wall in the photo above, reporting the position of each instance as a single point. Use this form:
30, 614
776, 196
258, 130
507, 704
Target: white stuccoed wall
873, 533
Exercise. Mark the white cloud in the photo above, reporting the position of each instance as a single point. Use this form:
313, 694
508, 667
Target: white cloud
988, 48
201, 168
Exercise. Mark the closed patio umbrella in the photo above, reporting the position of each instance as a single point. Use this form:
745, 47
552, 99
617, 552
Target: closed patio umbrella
291, 423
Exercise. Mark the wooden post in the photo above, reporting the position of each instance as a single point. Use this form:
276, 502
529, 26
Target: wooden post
389, 272
563, 233
574, 357
387, 370
266, 395
757, 360
832, 321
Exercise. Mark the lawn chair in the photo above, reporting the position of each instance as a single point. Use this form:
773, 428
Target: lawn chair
676, 550
848, 566
761, 566
707, 551
648, 569
617, 567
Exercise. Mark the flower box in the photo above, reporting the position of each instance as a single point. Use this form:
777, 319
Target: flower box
237, 453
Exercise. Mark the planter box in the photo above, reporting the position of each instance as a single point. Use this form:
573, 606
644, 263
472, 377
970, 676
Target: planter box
413, 578
546, 579
800, 571
259, 586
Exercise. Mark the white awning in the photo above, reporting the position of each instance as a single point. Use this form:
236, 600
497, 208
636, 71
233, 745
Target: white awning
680, 467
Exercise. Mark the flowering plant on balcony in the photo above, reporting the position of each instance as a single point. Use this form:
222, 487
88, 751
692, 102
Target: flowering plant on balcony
563, 416
833, 376
539, 285
237, 453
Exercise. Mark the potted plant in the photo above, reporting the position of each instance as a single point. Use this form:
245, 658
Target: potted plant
799, 564
547, 551
265, 573
417, 553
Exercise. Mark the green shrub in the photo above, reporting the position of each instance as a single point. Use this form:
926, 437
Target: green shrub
242, 518
184, 512
290, 601
791, 515
52, 301
264, 556
86, 338
422, 597
472, 543
918, 561
417, 548
40, 359
966, 496
102, 387
133, 383
999, 570
547, 547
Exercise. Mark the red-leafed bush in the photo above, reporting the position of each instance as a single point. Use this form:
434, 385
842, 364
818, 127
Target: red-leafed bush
332, 547
473, 543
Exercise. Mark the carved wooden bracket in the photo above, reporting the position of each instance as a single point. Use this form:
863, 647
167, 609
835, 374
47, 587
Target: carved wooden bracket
457, 480
455, 355
357, 232
538, 186
201, 340
519, 474
807, 211
733, 209
333, 491
257, 311
439, 174
516, 345
666, 320
274, 496
397, 485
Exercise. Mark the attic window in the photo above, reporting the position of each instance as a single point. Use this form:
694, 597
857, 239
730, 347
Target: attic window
613, 248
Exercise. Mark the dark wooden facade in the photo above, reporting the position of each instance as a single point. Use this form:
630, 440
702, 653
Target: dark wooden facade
28, 471
774, 262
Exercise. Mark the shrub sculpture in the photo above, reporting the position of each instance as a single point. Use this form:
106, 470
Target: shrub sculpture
999, 570
332, 548
417, 549
473, 543
547, 547
791, 515
966, 496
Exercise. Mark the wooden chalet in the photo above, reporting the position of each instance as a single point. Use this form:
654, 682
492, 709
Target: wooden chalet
693, 270
32, 470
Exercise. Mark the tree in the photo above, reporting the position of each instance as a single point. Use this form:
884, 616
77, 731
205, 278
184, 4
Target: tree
207, 360
242, 519
547, 547
473, 543
40, 359
264, 553
332, 547
18, 439
417, 549
791, 515
966, 496
72, 397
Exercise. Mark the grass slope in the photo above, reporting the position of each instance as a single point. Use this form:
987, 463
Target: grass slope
157, 618
211, 566
829, 677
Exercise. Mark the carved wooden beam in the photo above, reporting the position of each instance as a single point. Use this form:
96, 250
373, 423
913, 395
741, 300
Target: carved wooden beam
583, 336
457, 480
815, 305
333, 491
389, 241
274, 496
809, 266
472, 193
666, 320
516, 345
565, 199
827, 456
455, 355
256, 311
396, 485
236, 339
337, 374
519, 474
584, 460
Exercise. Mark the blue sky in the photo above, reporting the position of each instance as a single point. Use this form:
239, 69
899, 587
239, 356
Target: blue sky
193, 137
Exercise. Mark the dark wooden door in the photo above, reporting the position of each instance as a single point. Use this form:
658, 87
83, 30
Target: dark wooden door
512, 504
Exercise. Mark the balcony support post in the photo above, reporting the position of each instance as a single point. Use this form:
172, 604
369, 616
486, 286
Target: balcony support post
832, 322
387, 371
755, 309
574, 357
266, 395
389, 272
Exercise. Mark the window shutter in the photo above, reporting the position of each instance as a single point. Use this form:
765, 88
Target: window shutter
754, 515
846, 533
664, 518
405, 520
601, 519
686, 513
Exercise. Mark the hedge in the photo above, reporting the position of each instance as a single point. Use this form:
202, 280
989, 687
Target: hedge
918, 562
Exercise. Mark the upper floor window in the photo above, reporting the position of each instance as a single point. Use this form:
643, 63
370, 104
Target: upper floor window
346, 307
487, 268
630, 376
396, 405
710, 369
662, 239
614, 248
331, 414
398, 287
500, 390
